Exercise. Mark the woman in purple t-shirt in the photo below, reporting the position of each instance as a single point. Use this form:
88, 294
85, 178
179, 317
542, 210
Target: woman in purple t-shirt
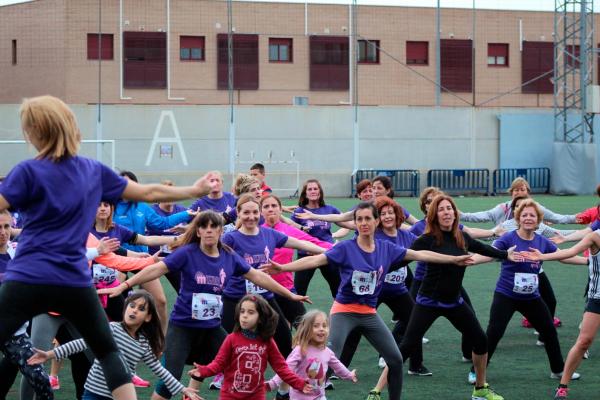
363, 263
57, 193
518, 286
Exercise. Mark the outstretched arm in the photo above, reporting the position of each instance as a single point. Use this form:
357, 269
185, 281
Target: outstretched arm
154, 193
301, 264
303, 245
588, 241
266, 282
437, 258
347, 216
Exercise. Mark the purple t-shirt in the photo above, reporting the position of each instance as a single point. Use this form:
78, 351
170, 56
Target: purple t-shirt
58, 202
117, 231
393, 282
362, 273
255, 250
319, 229
595, 225
225, 204
418, 229
199, 303
4, 259
520, 280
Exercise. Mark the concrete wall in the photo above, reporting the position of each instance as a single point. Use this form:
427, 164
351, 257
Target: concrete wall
322, 138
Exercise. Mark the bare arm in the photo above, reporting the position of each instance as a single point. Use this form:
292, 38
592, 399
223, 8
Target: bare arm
478, 233
154, 193
288, 221
437, 258
301, 264
148, 274
347, 216
3, 203
293, 243
265, 281
573, 237
577, 260
411, 220
591, 239
155, 240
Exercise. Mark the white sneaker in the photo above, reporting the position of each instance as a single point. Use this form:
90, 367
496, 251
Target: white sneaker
381, 363
466, 360
574, 377
472, 378
536, 333
539, 343
586, 355
424, 340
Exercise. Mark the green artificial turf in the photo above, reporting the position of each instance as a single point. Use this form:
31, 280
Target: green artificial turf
519, 370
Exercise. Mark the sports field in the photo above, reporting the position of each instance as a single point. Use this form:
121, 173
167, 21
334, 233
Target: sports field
519, 369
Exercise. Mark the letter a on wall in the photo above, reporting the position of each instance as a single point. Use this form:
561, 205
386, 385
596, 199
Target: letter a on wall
175, 139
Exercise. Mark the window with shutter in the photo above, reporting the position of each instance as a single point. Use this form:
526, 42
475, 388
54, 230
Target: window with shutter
145, 60
329, 63
191, 48
417, 53
245, 61
537, 59
456, 64
100, 46
497, 55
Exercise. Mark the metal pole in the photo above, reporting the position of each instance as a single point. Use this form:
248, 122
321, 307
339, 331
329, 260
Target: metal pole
230, 86
473, 55
99, 105
438, 61
354, 66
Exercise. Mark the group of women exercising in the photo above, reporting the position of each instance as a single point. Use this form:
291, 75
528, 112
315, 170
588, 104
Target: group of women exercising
85, 237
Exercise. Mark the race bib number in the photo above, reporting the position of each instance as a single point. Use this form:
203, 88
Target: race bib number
525, 283
206, 306
364, 282
103, 274
396, 277
252, 288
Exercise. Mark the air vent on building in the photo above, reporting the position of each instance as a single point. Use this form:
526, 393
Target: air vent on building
300, 101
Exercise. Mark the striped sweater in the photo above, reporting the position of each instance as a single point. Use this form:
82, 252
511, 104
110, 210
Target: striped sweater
132, 351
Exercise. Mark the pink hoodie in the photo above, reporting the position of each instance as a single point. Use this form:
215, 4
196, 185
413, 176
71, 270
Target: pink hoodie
284, 255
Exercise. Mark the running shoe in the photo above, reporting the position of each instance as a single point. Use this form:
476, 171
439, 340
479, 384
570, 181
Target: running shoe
216, 382
466, 360
561, 393
557, 322
586, 355
421, 371
472, 377
334, 377
574, 377
485, 393
424, 340
525, 323
381, 363
329, 385
54, 382
374, 395
139, 382
539, 343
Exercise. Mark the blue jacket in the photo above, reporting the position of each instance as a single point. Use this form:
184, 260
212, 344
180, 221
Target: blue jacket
137, 216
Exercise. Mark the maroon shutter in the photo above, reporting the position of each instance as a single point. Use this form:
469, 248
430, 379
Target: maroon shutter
537, 58
457, 63
245, 62
93, 44
145, 61
329, 63
417, 53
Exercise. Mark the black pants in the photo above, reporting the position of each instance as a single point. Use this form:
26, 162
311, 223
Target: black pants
114, 308
20, 301
18, 349
465, 345
293, 310
547, 294
81, 363
402, 307
331, 275
536, 311
283, 335
461, 317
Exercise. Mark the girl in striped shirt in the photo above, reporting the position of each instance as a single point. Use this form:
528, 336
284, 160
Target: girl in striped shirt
139, 338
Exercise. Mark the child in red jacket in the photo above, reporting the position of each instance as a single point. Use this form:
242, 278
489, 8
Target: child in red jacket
244, 354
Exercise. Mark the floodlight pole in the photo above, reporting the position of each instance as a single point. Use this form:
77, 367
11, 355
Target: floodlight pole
438, 61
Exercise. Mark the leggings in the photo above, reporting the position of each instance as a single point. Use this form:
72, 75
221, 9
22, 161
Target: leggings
402, 307
293, 310
46, 327
461, 317
536, 311
283, 335
547, 294
21, 301
380, 337
331, 275
181, 342
18, 349
465, 345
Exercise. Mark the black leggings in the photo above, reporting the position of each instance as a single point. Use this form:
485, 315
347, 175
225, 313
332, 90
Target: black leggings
461, 317
293, 310
402, 307
283, 335
536, 311
331, 275
21, 301
465, 345
547, 294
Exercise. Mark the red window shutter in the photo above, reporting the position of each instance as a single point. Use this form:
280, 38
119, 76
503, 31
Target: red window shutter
537, 58
93, 43
497, 49
329, 63
417, 52
456, 64
145, 61
245, 62
191, 42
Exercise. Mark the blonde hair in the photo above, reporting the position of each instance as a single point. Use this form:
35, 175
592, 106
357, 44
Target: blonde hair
520, 181
52, 124
305, 329
527, 202
242, 184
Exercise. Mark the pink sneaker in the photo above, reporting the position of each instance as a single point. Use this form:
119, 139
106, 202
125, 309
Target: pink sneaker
557, 322
139, 382
561, 393
525, 323
54, 382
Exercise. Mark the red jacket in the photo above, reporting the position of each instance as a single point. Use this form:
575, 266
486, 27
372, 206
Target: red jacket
243, 362
587, 216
